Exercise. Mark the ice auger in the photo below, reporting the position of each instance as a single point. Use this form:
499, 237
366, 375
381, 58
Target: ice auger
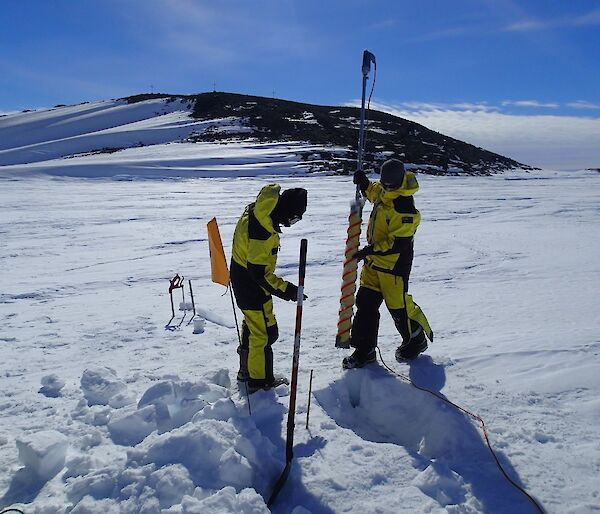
350, 270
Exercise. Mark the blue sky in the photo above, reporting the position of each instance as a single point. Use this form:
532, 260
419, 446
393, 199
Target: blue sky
451, 63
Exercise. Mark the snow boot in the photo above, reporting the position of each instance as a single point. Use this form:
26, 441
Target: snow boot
412, 349
358, 360
277, 381
243, 374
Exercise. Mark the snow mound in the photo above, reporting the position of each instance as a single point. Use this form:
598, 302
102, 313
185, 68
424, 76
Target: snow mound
43, 453
51, 386
214, 463
247, 501
221, 378
99, 385
164, 406
177, 402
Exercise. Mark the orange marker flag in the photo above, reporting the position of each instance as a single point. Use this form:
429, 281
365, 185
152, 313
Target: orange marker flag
218, 262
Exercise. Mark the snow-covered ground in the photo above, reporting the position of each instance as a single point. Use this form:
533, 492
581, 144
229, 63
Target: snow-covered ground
104, 410
135, 418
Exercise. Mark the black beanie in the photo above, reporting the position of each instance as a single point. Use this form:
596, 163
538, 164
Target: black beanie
291, 204
392, 173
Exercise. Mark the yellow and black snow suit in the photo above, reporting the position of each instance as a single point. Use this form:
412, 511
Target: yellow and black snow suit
254, 257
384, 277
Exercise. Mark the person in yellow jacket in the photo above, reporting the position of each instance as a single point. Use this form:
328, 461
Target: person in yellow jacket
388, 260
253, 261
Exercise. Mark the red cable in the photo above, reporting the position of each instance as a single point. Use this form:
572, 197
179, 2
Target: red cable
474, 416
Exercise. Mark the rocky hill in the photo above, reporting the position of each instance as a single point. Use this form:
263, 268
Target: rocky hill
335, 128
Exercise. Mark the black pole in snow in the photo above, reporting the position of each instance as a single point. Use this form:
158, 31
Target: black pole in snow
368, 58
289, 453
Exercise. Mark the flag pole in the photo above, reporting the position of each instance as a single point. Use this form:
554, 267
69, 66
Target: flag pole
237, 327
220, 275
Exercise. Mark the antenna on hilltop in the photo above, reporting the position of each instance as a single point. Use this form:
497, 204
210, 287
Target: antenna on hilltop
273, 93
151, 88
214, 87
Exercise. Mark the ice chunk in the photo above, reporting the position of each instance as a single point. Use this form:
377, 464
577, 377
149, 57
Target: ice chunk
247, 501
175, 403
51, 386
234, 468
162, 392
97, 484
43, 452
121, 400
91, 439
222, 409
100, 384
221, 378
131, 426
171, 484
100, 415
80, 465
89, 505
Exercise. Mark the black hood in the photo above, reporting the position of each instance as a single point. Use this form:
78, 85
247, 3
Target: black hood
291, 204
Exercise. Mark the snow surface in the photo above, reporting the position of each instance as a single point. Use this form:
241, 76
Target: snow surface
151, 420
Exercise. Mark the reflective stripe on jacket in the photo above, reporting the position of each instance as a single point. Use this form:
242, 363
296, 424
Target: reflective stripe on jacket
392, 225
256, 241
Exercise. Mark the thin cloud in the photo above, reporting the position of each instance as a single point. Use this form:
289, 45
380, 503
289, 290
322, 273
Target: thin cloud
227, 33
466, 106
433, 106
589, 19
583, 104
530, 103
546, 141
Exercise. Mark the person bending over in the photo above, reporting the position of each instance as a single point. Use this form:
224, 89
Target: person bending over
254, 257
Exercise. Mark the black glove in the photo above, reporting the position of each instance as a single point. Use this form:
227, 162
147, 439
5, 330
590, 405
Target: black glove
291, 293
361, 254
361, 180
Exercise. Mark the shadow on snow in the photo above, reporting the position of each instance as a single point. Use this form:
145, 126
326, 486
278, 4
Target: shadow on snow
447, 449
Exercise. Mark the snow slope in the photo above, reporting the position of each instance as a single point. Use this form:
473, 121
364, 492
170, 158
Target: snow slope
139, 140
48, 134
135, 418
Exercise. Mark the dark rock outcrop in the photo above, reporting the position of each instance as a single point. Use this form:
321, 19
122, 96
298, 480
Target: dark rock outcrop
336, 130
